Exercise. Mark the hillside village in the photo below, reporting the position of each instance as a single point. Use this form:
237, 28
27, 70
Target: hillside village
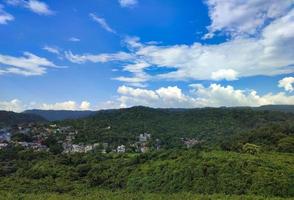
42, 137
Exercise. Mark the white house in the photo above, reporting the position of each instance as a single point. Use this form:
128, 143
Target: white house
121, 149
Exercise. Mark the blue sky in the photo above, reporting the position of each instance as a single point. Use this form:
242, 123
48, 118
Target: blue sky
161, 53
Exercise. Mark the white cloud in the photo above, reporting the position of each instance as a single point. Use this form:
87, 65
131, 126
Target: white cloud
227, 74
27, 65
13, 105
35, 6
287, 83
74, 39
5, 17
213, 96
96, 58
85, 105
67, 105
52, 49
18, 106
269, 54
102, 22
240, 18
127, 3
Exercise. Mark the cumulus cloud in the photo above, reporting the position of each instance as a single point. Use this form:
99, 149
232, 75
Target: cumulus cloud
85, 105
287, 83
214, 95
13, 105
17, 105
5, 17
102, 22
28, 65
227, 74
240, 18
127, 3
269, 54
35, 6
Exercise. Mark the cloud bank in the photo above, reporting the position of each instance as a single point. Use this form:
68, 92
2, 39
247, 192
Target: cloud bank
213, 95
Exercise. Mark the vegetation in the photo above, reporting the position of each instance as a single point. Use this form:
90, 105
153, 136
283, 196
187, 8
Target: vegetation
54, 115
169, 171
122, 195
242, 154
225, 128
12, 118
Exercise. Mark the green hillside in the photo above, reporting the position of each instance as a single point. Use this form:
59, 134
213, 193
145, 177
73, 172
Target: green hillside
211, 126
164, 172
242, 153
11, 118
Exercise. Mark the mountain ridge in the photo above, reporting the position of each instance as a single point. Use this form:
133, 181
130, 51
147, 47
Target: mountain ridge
59, 115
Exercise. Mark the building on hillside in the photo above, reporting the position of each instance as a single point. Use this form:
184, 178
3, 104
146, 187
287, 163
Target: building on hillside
77, 148
3, 145
121, 149
144, 137
88, 148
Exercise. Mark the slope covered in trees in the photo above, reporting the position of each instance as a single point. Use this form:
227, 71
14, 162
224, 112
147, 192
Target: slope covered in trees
54, 115
212, 126
12, 118
241, 151
166, 172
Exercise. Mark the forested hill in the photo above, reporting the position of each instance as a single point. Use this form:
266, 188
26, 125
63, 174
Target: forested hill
8, 118
210, 125
54, 115
58, 115
281, 108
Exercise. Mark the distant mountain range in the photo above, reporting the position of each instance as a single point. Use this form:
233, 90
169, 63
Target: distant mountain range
281, 108
57, 115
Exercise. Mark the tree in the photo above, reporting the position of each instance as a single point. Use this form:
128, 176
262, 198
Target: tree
251, 148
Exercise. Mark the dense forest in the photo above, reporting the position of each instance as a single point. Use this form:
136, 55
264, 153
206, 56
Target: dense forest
54, 115
242, 153
11, 118
165, 172
225, 128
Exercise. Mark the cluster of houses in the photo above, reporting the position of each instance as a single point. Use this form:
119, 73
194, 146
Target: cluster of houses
32, 145
141, 146
84, 148
37, 134
66, 136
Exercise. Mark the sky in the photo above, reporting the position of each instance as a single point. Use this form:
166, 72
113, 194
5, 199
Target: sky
101, 54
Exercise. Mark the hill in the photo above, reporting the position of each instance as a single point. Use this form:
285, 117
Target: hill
8, 118
281, 108
165, 172
55, 115
211, 126
59, 115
